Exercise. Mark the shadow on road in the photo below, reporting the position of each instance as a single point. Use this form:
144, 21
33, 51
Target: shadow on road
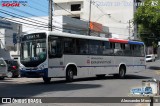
154, 68
36, 88
112, 78
136, 77
30, 89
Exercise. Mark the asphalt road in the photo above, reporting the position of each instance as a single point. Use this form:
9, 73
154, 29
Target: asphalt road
83, 87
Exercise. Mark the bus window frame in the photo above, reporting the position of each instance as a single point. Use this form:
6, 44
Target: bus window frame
57, 54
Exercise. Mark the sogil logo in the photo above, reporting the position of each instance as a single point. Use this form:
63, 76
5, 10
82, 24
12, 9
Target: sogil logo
13, 3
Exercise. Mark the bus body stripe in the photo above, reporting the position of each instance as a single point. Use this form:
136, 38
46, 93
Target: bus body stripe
118, 41
136, 43
98, 66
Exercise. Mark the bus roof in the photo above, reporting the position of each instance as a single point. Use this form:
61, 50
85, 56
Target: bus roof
92, 37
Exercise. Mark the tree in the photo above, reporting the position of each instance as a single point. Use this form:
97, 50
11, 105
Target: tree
147, 17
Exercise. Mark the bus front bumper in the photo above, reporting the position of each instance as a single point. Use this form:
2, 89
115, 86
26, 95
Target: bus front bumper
34, 73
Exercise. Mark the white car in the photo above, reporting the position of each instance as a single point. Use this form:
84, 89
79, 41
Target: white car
3, 69
150, 57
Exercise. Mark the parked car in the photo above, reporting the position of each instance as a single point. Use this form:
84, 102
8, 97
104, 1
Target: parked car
150, 57
13, 68
3, 69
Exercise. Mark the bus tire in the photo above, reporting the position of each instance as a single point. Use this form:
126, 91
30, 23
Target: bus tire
70, 74
46, 80
122, 72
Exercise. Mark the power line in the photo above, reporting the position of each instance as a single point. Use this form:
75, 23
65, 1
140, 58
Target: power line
32, 15
68, 11
20, 22
55, 27
118, 28
39, 4
23, 16
38, 9
46, 25
93, 3
33, 22
74, 15
26, 13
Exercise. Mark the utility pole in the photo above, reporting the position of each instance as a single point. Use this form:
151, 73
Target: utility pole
50, 16
89, 29
18, 39
129, 29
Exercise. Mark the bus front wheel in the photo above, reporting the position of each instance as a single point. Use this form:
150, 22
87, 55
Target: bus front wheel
122, 72
46, 80
69, 74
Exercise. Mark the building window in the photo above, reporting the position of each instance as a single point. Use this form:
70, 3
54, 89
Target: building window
75, 7
78, 17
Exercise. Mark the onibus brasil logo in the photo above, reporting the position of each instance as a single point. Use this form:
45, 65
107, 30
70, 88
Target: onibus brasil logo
14, 3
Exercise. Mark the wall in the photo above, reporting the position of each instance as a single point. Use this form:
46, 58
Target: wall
116, 14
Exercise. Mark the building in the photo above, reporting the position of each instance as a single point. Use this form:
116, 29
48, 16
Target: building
9, 31
66, 24
116, 14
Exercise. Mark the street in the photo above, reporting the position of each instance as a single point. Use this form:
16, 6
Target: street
83, 87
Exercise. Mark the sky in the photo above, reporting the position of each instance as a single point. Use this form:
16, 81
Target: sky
33, 8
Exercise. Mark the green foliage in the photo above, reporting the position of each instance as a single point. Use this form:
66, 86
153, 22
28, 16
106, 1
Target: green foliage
147, 17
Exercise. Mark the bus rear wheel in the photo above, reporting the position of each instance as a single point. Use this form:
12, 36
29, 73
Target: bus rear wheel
70, 74
46, 80
122, 72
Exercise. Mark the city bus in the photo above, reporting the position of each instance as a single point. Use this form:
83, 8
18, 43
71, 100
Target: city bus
63, 55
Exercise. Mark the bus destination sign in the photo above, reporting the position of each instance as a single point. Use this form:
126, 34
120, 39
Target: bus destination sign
34, 36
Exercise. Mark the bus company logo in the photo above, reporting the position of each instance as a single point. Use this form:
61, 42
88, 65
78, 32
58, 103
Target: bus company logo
13, 3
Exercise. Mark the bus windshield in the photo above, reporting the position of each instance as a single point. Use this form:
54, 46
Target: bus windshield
33, 52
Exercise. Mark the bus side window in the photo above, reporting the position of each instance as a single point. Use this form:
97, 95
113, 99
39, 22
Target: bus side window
94, 46
127, 50
118, 51
82, 46
138, 50
55, 48
108, 50
69, 46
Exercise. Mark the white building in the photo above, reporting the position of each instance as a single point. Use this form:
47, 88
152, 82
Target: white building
8, 45
116, 14
64, 24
